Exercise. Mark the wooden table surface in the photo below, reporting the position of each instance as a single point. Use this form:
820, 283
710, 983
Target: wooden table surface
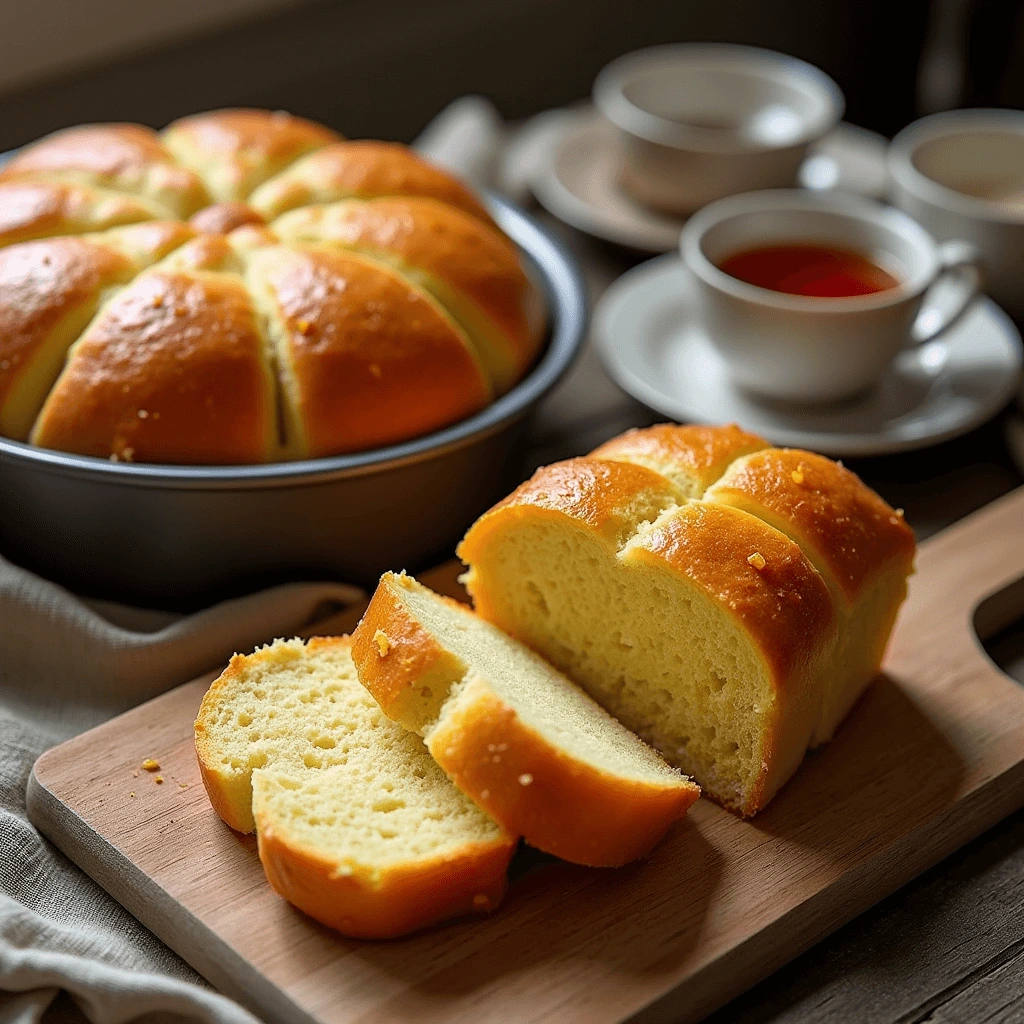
949, 947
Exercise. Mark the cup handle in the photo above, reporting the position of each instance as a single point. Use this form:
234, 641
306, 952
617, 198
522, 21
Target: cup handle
955, 287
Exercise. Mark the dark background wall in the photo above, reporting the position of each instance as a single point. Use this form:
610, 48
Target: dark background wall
384, 67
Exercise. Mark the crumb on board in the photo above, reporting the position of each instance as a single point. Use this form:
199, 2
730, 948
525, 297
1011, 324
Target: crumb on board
159, 780
132, 794
151, 764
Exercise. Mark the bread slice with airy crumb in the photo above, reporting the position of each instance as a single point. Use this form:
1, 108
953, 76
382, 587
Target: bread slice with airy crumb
512, 732
356, 824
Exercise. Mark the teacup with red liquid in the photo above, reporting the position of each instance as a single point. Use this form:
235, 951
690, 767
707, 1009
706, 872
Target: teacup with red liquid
809, 297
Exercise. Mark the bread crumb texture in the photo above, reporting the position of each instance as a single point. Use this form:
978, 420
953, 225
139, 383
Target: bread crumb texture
291, 745
734, 628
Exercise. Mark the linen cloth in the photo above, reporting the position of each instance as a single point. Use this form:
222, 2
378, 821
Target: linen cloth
68, 664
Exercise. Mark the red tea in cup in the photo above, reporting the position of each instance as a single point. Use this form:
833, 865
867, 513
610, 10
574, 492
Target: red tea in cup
803, 269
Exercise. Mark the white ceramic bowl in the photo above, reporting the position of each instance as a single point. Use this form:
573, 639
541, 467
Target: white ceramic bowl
701, 121
961, 175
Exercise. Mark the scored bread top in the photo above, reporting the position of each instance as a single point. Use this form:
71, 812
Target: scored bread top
361, 169
692, 457
462, 260
434, 250
367, 359
754, 571
234, 151
38, 209
837, 523
173, 369
52, 288
847, 530
612, 498
223, 218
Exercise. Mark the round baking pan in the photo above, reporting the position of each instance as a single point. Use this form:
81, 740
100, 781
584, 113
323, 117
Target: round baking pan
182, 536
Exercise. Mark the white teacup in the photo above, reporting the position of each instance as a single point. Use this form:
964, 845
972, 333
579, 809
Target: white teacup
813, 349
960, 174
698, 121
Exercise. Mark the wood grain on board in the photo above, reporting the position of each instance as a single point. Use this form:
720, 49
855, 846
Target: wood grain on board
932, 756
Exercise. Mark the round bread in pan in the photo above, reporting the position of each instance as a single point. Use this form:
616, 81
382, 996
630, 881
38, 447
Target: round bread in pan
335, 329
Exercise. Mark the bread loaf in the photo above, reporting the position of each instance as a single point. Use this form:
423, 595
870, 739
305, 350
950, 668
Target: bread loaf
514, 734
394, 310
356, 824
725, 600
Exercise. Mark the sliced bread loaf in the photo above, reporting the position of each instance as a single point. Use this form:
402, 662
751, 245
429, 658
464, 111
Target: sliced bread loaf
512, 732
731, 622
356, 824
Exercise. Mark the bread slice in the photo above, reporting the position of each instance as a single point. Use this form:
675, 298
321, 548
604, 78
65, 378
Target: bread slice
692, 580
357, 825
513, 733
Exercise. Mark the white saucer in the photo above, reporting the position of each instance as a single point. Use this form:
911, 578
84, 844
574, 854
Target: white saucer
648, 334
574, 176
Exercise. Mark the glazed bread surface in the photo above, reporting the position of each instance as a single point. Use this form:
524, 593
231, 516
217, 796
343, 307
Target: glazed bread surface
863, 549
127, 158
528, 745
356, 824
361, 169
395, 312
709, 622
234, 151
466, 264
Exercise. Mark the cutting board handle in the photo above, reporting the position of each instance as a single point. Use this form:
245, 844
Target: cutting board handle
969, 582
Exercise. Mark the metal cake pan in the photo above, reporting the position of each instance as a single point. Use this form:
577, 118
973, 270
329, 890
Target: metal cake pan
183, 536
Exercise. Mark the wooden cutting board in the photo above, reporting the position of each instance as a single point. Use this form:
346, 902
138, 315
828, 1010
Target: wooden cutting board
931, 757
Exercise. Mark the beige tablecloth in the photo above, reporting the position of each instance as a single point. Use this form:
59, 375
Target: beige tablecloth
66, 665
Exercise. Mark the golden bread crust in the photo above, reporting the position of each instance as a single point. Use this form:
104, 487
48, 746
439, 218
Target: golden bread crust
128, 157
222, 218
693, 457
372, 358
145, 243
173, 369
561, 804
38, 209
844, 526
461, 333
362, 169
607, 497
235, 150
402, 666
391, 901
43, 283
782, 604
453, 249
